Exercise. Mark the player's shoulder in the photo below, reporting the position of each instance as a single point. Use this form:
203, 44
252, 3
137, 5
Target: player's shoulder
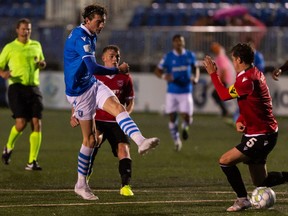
34, 42
190, 53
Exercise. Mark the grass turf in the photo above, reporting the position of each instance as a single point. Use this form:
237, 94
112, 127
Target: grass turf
164, 182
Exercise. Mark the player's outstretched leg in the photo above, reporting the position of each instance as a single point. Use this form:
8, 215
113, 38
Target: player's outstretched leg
148, 144
240, 204
130, 128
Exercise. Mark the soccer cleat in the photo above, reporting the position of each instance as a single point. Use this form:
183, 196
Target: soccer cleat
85, 192
6, 156
34, 166
148, 144
185, 134
178, 145
126, 191
240, 204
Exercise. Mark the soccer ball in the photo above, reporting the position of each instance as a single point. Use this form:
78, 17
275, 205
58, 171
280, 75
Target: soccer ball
263, 197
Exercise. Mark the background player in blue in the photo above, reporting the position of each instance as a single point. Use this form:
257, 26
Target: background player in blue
177, 68
259, 61
86, 94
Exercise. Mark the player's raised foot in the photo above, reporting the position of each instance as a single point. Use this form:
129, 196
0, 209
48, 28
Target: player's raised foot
185, 134
126, 191
147, 144
6, 156
34, 166
85, 192
240, 204
178, 145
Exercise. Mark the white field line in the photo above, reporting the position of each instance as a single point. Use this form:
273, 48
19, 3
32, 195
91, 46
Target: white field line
135, 190
121, 203
117, 203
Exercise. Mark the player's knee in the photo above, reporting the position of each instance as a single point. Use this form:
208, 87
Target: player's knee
223, 160
92, 141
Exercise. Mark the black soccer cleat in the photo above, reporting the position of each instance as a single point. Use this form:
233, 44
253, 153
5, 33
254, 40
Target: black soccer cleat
185, 134
34, 166
6, 156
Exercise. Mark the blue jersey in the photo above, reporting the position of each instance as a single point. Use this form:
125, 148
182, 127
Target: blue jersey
80, 63
259, 61
180, 67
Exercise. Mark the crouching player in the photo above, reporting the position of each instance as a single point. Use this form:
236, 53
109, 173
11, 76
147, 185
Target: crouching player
256, 122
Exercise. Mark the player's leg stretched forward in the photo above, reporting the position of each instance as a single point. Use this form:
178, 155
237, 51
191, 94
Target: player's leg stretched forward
129, 127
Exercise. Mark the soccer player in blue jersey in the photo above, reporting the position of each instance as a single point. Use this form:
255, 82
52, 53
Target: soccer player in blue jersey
259, 61
86, 94
178, 68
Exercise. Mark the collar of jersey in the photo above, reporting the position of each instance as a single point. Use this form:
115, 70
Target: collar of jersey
183, 52
86, 30
17, 41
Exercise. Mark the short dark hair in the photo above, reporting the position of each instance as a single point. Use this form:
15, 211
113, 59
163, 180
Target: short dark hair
244, 51
109, 47
177, 36
22, 20
91, 10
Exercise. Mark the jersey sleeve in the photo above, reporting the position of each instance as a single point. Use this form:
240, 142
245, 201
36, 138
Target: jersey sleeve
129, 88
223, 92
83, 48
162, 64
4, 58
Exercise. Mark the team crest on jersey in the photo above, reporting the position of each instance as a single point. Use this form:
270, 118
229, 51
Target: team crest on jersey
87, 48
120, 83
233, 92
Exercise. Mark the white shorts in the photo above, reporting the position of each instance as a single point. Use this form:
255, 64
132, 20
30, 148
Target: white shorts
182, 103
86, 104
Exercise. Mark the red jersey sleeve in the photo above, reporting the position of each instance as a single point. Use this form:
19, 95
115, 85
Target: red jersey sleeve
222, 91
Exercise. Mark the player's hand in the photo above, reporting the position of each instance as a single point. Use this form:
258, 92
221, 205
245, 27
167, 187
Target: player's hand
123, 68
276, 73
41, 64
167, 77
194, 80
5, 74
240, 127
209, 65
74, 122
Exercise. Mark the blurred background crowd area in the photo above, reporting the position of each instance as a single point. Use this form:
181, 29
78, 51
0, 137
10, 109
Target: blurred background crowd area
143, 29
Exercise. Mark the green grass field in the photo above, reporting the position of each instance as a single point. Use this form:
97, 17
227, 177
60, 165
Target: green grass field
165, 182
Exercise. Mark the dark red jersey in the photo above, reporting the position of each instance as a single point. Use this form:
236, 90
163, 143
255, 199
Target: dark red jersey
122, 86
254, 100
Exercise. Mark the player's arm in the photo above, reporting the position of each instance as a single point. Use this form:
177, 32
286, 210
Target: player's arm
130, 105
5, 74
240, 124
277, 72
160, 73
196, 74
129, 93
223, 92
97, 69
74, 122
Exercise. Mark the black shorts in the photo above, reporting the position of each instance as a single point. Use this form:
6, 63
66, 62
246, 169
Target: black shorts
113, 133
257, 148
25, 101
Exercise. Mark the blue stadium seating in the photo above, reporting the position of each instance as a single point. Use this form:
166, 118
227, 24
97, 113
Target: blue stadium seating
168, 13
